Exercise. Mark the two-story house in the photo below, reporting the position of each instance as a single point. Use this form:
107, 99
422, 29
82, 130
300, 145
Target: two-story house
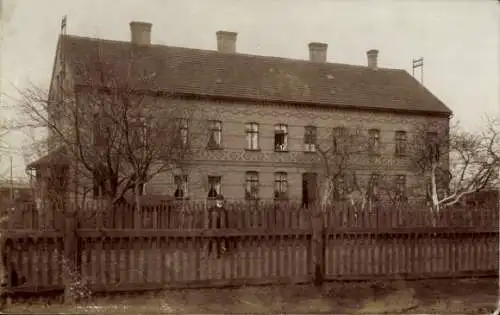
266, 115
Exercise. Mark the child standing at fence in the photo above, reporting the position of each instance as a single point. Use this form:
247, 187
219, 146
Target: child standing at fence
218, 220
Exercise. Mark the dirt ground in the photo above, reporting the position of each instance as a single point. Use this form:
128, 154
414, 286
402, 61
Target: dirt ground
470, 296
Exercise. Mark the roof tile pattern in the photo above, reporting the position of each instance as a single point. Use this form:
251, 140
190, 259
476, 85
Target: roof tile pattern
209, 73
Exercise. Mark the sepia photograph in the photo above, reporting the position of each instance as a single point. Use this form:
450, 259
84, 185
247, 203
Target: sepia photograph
251, 157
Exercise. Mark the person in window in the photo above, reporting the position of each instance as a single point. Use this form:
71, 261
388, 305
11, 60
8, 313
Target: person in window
218, 220
212, 193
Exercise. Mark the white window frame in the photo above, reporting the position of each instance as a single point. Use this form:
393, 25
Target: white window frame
310, 138
252, 135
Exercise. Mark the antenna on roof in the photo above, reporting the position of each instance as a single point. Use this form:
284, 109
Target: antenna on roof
418, 63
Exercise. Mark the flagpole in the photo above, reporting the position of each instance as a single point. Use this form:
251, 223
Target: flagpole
418, 63
422, 73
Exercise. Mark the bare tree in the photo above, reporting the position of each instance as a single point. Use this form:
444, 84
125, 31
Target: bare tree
340, 152
112, 131
455, 163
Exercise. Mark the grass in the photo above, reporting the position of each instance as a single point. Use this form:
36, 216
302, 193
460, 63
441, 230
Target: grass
471, 296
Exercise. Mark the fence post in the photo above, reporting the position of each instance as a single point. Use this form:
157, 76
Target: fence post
318, 248
70, 262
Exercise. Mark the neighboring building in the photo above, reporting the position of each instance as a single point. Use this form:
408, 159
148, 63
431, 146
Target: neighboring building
487, 199
266, 113
16, 193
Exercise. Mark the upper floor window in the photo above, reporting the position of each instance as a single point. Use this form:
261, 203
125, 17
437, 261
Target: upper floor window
339, 135
310, 139
432, 150
401, 140
139, 133
281, 138
374, 141
280, 185
431, 136
214, 186
102, 132
181, 186
251, 185
215, 140
182, 125
252, 130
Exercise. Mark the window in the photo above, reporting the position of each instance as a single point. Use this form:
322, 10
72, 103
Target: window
400, 187
374, 141
139, 133
339, 135
400, 148
340, 188
431, 136
98, 185
181, 186
280, 138
141, 185
215, 140
310, 139
280, 185
373, 184
251, 185
252, 130
214, 186
431, 141
182, 124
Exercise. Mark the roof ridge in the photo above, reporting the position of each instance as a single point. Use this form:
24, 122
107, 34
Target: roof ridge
215, 52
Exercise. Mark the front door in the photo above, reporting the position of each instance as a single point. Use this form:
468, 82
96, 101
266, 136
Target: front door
309, 189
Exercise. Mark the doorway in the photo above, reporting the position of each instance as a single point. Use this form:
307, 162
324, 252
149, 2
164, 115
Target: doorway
309, 189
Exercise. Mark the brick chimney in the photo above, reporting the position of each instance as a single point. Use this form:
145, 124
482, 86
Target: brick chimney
317, 52
226, 41
140, 33
372, 56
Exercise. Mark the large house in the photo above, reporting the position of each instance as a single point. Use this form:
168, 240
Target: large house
265, 114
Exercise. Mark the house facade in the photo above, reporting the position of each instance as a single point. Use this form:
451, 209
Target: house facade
265, 118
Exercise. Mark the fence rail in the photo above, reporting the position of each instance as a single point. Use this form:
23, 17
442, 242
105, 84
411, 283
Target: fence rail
169, 246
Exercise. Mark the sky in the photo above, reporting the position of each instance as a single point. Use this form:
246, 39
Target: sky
458, 39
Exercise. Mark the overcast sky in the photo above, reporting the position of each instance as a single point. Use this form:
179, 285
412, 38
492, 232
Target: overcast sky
458, 39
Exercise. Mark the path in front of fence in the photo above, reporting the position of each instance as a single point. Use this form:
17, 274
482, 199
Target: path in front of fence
477, 296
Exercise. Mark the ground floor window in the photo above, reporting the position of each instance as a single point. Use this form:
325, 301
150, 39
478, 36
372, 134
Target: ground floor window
214, 186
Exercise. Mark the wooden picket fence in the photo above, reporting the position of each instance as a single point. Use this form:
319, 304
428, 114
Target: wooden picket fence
166, 246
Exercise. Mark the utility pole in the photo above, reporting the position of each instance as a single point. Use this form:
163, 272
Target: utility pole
11, 182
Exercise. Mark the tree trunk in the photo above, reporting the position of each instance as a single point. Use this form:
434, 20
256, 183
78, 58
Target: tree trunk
326, 192
434, 195
435, 199
137, 211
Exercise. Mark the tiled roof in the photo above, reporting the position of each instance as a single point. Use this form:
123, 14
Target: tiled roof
207, 73
57, 156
